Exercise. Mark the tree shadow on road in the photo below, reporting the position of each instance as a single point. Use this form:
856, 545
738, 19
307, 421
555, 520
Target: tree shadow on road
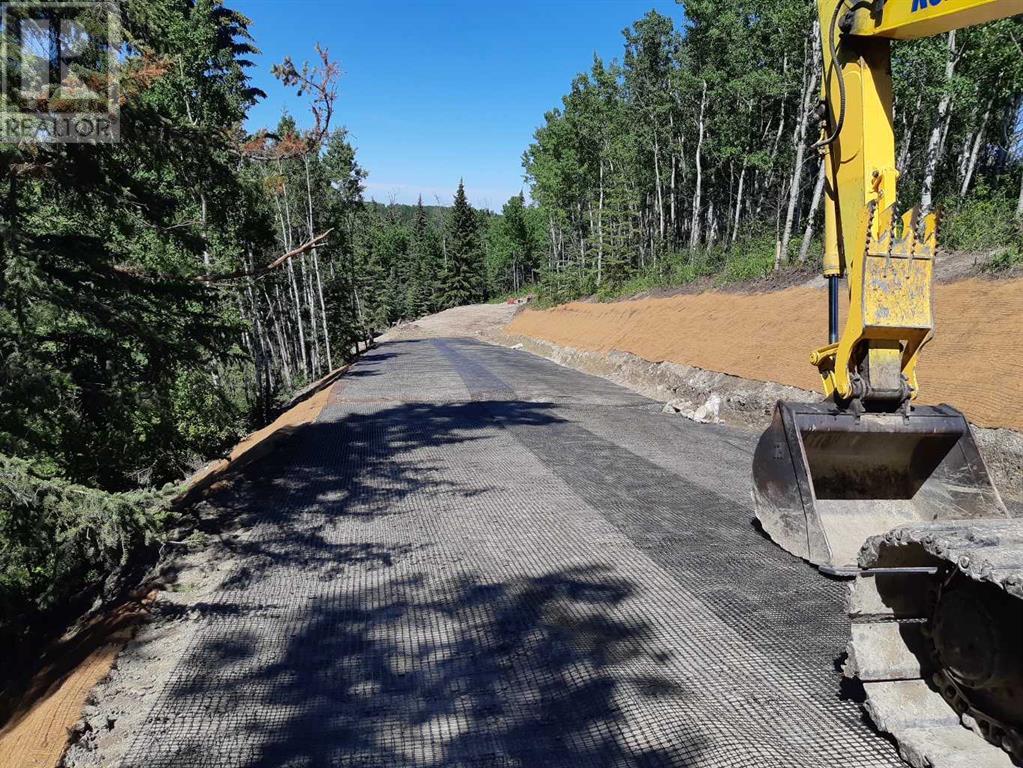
428, 671
319, 650
370, 462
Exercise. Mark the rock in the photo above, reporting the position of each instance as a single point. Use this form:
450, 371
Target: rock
678, 405
709, 412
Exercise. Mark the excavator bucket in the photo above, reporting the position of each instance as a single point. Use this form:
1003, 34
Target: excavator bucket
825, 479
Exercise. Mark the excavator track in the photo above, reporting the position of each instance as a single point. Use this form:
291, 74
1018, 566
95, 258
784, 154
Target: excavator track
936, 639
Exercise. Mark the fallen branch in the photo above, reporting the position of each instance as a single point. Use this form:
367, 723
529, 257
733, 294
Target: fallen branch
283, 258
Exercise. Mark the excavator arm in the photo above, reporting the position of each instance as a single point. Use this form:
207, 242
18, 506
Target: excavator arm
910, 19
828, 475
888, 260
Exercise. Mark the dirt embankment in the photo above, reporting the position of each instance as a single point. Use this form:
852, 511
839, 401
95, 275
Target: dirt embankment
975, 361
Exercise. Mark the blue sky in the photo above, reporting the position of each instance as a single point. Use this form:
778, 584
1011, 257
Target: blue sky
436, 90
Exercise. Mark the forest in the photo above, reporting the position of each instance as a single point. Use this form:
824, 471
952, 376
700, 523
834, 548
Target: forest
161, 296
691, 155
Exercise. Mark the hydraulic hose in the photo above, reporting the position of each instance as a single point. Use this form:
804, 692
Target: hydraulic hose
833, 48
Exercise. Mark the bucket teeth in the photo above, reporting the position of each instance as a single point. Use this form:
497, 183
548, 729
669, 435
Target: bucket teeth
929, 236
885, 233
916, 238
910, 221
904, 245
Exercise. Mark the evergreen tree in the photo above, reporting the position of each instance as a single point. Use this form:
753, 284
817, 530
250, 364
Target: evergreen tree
106, 335
420, 284
462, 279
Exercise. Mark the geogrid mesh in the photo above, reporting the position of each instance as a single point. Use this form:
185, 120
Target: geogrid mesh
461, 564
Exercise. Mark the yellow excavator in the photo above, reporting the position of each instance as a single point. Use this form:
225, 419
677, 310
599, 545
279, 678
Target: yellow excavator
868, 484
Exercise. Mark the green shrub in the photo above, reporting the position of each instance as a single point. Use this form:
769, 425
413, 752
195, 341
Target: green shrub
1007, 259
983, 221
749, 260
641, 283
206, 420
59, 541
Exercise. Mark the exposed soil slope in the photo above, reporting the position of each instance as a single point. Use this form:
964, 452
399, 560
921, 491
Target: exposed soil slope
975, 361
36, 735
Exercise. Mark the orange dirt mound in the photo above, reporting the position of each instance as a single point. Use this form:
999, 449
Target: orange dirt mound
975, 361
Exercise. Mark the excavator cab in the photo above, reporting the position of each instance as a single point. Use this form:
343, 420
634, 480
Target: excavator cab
827, 476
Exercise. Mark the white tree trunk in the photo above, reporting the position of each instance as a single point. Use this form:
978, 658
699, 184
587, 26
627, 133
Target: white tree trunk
907, 137
298, 316
777, 226
657, 181
307, 284
281, 342
205, 237
811, 84
1019, 205
938, 130
975, 151
694, 232
738, 201
818, 189
712, 225
554, 245
765, 180
316, 266
673, 221
964, 151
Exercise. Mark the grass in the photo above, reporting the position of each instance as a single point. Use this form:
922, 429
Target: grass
1008, 259
751, 259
